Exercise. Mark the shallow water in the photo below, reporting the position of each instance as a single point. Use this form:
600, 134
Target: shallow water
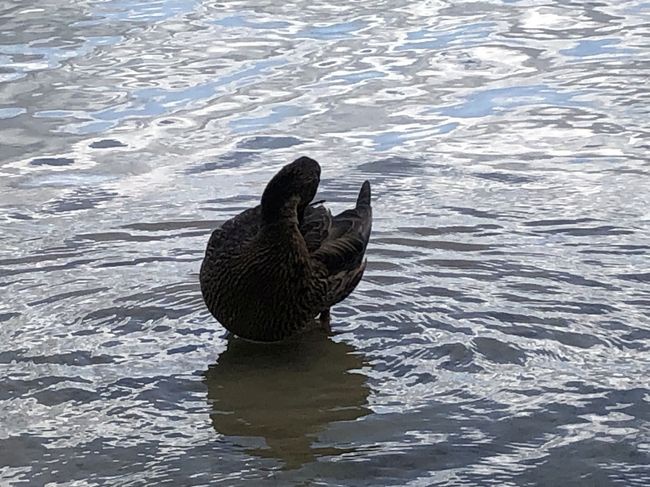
501, 335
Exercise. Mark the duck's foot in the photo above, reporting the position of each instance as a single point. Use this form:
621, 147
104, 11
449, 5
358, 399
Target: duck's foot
324, 319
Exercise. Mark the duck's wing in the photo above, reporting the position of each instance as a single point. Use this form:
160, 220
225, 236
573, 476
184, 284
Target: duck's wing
315, 226
343, 248
235, 231
341, 284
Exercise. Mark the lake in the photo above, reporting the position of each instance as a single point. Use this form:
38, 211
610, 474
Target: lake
501, 334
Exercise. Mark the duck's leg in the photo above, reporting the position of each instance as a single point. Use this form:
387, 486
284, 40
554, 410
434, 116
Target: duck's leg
324, 319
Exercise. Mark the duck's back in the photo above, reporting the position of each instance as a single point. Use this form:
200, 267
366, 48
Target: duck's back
233, 234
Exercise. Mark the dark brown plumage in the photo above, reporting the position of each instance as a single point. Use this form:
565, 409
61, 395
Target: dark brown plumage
272, 269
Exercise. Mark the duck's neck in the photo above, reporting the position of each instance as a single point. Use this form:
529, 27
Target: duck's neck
284, 223
284, 213
282, 233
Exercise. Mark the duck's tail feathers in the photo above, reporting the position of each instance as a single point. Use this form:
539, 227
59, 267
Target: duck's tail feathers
364, 195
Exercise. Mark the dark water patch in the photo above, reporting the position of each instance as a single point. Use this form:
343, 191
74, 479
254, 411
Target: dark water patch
52, 161
575, 307
78, 358
643, 277
386, 296
136, 383
133, 318
36, 258
457, 357
185, 349
128, 237
505, 177
479, 213
433, 244
20, 216
396, 368
394, 254
458, 264
499, 352
50, 268
268, 142
13, 388
594, 231
17, 451
166, 294
560, 306
117, 237
613, 249
538, 274
9, 356
7, 317
393, 166
558, 222
167, 226
459, 268
388, 280
80, 199
427, 232
506, 317
449, 323
516, 298
589, 462
226, 161
66, 295
382, 266
106, 144
142, 260
637, 338
241, 201
54, 397
429, 291
80, 462
462, 275
644, 303
572, 339
163, 392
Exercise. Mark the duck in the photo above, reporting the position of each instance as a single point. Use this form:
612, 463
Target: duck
275, 270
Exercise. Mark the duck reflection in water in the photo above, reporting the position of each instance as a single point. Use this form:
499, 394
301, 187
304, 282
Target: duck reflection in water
286, 393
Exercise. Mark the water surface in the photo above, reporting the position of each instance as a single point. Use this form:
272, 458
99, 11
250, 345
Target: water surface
501, 334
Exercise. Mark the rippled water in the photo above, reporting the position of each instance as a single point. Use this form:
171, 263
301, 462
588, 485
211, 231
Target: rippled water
501, 335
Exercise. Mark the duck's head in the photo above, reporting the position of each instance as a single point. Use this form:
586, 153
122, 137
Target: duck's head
290, 190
